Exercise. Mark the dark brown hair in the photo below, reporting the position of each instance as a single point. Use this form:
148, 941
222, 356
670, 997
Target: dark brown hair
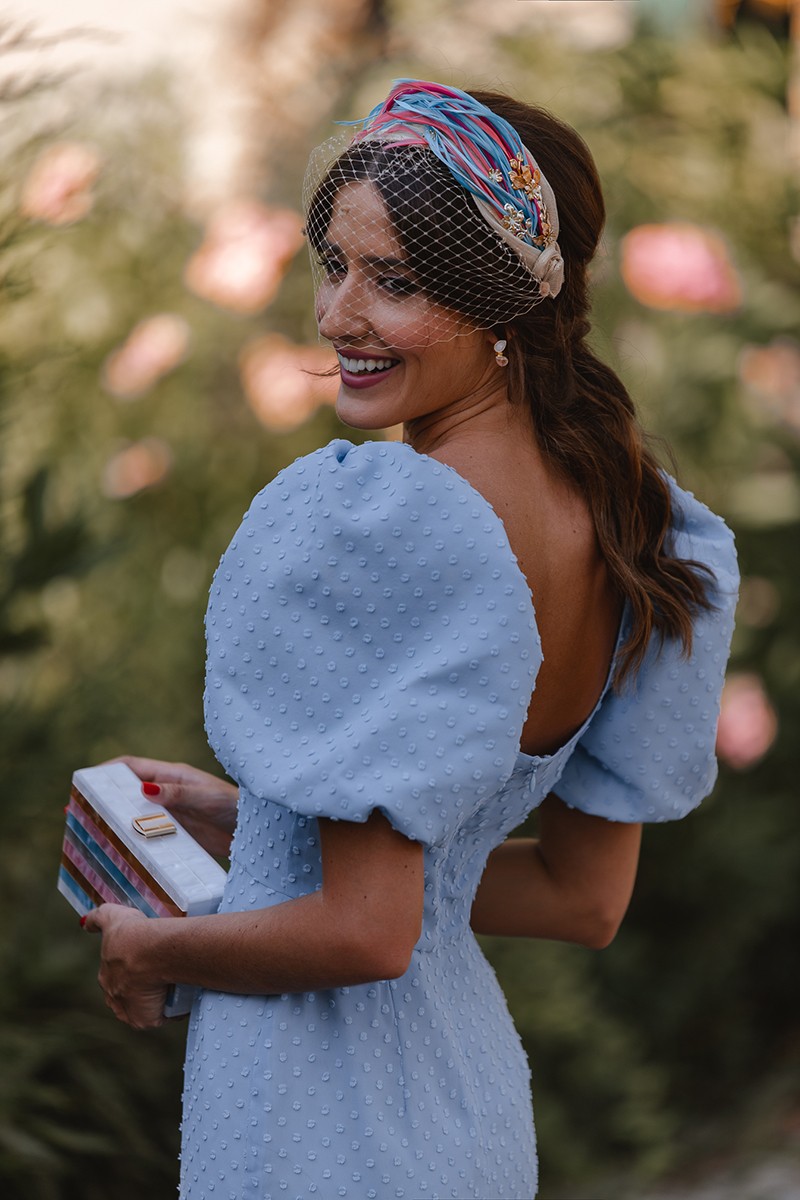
583, 417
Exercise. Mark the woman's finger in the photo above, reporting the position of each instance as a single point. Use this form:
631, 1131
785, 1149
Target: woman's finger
176, 785
116, 1004
96, 919
170, 794
144, 1011
154, 769
190, 799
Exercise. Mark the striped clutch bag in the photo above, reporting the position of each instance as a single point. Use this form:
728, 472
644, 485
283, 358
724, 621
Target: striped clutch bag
121, 849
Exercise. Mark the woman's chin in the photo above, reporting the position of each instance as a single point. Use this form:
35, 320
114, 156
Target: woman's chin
358, 414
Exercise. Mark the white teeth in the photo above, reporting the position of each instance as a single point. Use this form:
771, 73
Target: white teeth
360, 365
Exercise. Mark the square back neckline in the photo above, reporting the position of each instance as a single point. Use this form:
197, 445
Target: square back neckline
522, 757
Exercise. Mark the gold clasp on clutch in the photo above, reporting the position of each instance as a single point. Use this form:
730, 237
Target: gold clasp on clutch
155, 825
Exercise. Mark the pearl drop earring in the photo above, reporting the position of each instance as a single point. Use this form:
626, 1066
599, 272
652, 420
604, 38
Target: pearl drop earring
499, 347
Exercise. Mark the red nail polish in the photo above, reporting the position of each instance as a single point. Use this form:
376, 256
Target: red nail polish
151, 789
83, 920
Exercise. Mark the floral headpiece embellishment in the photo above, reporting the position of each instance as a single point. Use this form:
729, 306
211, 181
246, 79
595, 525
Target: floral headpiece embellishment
523, 179
516, 221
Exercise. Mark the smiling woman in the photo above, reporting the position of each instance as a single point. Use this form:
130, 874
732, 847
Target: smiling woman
372, 308
411, 647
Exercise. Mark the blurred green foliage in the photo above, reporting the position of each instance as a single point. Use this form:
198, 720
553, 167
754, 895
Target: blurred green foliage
682, 1037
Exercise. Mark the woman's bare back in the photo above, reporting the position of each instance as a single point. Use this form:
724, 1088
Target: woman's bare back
552, 534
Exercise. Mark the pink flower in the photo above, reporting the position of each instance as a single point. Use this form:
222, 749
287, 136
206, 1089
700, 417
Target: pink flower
772, 376
57, 188
244, 256
154, 347
747, 723
680, 267
140, 465
277, 387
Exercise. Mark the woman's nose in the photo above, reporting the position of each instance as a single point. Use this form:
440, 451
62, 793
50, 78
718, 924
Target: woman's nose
341, 308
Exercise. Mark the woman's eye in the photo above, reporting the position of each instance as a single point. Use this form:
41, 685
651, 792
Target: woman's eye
398, 285
331, 266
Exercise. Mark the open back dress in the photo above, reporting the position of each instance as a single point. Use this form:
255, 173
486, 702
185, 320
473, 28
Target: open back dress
372, 644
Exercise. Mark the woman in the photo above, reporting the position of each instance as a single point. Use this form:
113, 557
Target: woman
410, 647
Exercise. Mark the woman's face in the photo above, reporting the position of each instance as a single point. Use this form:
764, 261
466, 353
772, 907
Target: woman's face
425, 358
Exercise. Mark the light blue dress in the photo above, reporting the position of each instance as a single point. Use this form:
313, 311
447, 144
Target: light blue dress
372, 644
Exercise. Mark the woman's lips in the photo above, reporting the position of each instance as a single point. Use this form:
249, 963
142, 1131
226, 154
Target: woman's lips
364, 379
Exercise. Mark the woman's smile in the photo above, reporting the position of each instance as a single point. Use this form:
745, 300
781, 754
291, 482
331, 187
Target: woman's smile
363, 369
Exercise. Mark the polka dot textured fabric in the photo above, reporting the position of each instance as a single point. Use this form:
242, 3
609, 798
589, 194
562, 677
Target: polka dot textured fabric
648, 754
372, 644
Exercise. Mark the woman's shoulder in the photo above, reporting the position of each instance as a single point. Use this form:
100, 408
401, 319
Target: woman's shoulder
702, 535
395, 467
388, 489
648, 753
402, 518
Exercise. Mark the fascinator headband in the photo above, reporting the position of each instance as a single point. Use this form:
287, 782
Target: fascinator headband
485, 155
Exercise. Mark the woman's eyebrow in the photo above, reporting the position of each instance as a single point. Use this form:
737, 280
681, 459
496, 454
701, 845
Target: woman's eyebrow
385, 263
373, 260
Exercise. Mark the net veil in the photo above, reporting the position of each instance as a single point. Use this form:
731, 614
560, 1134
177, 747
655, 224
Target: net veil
421, 226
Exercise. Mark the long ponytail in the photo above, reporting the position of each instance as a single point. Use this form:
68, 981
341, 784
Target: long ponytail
583, 417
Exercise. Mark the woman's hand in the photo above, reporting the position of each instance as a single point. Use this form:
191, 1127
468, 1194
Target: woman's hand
132, 993
204, 805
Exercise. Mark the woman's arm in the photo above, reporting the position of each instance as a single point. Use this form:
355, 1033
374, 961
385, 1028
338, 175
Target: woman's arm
572, 884
360, 926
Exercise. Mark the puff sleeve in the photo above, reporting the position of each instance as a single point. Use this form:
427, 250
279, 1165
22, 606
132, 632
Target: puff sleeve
371, 642
648, 754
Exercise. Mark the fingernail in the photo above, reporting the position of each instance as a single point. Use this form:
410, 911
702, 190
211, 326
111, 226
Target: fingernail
151, 789
83, 921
